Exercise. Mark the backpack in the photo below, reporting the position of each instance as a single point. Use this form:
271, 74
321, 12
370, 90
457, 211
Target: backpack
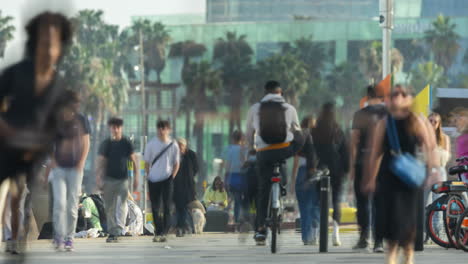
273, 126
101, 210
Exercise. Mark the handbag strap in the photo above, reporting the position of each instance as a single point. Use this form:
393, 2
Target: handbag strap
161, 153
392, 135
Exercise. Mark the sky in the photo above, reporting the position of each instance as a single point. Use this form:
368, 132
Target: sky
115, 12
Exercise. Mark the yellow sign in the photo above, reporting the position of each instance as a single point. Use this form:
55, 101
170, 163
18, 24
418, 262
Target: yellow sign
422, 102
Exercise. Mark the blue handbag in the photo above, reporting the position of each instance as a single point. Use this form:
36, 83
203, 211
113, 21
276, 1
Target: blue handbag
405, 166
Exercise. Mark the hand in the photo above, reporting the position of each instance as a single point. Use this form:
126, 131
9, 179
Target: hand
368, 187
221, 204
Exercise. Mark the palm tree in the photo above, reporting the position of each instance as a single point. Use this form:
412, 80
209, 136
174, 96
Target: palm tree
370, 62
203, 89
313, 54
443, 41
289, 71
6, 32
428, 73
234, 55
186, 49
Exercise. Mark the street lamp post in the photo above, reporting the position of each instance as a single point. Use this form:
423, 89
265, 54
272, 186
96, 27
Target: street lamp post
386, 23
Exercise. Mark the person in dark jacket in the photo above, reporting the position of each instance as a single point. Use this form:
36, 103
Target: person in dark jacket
184, 186
332, 151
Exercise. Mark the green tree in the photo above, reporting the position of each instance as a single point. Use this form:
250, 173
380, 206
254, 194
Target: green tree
313, 54
6, 32
370, 62
289, 71
428, 73
234, 55
186, 50
443, 41
203, 90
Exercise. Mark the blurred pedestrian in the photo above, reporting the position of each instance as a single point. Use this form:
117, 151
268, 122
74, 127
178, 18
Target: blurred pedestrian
67, 163
112, 176
307, 193
400, 199
461, 122
234, 158
184, 187
363, 122
30, 94
332, 152
216, 197
162, 162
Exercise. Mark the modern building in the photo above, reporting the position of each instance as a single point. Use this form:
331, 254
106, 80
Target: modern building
341, 26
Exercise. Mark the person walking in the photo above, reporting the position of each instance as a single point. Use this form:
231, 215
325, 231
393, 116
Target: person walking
184, 187
112, 176
162, 162
400, 199
332, 152
363, 121
67, 164
307, 193
234, 157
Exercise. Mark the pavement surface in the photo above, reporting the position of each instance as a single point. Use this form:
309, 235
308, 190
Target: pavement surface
215, 248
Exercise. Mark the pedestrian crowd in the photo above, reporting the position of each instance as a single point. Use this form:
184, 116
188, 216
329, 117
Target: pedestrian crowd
41, 124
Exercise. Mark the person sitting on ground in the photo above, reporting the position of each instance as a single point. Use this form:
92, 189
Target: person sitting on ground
216, 197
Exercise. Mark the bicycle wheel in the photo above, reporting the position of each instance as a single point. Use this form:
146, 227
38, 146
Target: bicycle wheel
462, 231
454, 210
435, 227
274, 230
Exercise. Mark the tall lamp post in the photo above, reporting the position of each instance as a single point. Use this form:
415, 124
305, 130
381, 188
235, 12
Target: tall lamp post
386, 23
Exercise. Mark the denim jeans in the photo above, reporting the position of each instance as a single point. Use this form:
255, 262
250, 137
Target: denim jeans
66, 185
308, 198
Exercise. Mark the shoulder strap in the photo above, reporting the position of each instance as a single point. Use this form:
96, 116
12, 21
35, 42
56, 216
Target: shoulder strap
393, 135
161, 153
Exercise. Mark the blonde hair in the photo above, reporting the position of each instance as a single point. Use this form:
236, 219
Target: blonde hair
182, 141
441, 137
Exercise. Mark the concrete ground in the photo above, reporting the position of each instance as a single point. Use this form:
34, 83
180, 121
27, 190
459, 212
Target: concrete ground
216, 248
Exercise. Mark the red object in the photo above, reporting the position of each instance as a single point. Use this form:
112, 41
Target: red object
275, 179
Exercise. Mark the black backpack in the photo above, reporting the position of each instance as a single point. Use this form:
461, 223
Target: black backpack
101, 210
273, 126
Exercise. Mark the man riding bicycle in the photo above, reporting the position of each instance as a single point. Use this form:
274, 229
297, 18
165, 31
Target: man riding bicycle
273, 131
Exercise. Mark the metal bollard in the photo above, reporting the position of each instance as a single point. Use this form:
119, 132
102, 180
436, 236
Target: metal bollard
324, 209
419, 243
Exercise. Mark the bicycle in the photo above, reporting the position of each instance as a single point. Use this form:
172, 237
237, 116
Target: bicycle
275, 206
451, 205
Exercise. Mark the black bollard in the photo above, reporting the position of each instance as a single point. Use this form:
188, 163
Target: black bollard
419, 243
324, 209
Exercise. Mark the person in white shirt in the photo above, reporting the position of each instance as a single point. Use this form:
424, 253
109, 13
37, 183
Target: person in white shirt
273, 131
162, 162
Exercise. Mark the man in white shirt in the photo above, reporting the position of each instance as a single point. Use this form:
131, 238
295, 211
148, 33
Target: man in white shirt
162, 161
276, 136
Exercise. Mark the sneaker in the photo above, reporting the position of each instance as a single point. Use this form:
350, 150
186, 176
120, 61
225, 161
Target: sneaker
336, 234
378, 247
58, 244
362, 244
12, 247
163, 239
157, 239
179, 232
260, 238
68, 245
112, 239
9, 245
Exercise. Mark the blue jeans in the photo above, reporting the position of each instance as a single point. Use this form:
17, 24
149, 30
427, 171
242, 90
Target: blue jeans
308, 198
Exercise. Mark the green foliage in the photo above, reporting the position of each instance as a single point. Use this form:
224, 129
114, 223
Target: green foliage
289, 71
428, 73
344, 81
6, 32
443, 41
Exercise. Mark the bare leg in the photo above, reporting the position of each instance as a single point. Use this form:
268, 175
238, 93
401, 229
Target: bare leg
408, 251
392, 252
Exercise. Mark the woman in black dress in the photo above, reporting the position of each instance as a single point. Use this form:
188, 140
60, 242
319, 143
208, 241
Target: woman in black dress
184, 186
397, 223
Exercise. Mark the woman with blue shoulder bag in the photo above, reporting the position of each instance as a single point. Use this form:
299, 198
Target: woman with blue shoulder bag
395, 142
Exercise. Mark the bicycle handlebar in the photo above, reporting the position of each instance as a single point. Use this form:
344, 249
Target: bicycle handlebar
462, 159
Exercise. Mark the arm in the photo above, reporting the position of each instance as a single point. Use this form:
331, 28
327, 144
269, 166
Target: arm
84, 154
224, 203
5, 86
100, 170
374, 159
353, 143
250, 131
176, 159
294, 173
136, 170
175, 169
